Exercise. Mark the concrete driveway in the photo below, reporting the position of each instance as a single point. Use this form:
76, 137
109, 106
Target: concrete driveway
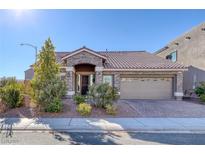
166, 108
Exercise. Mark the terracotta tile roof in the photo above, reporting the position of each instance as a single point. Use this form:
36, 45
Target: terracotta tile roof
132, 60
137, 60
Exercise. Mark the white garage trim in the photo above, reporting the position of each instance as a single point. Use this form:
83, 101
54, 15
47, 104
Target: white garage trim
178, 94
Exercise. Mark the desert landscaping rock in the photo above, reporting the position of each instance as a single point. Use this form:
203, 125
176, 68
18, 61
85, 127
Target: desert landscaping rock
125, 109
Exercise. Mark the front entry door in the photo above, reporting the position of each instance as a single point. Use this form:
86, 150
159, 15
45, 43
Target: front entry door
85, 83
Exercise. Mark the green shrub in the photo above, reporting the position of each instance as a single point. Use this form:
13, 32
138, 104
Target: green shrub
79, 99
11, 95
26, 88
45, 93
111, 109
102, 94
200, 90
202, 98
7, 81
11, 92
55, 106
1, 93
84, 109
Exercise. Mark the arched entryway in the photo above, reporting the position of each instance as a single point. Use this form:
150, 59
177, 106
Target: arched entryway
84, 77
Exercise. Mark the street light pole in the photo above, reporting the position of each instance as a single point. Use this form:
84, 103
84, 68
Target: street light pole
33, 46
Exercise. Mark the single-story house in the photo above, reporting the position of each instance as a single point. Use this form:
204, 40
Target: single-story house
135, 74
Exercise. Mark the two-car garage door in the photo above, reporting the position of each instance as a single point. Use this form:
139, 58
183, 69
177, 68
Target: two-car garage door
146, 88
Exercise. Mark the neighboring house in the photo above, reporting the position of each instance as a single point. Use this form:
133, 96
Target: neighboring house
29, 73
188, 50
135, 74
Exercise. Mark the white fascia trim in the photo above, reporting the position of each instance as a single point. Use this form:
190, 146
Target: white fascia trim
86, 51
178, 94
168, 70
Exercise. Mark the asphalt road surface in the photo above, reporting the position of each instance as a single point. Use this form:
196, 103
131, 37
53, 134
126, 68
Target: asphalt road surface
109, 138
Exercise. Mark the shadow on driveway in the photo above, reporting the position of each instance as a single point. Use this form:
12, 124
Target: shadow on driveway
6, 124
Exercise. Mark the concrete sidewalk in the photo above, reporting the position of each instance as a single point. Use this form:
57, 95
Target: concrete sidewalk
104, 124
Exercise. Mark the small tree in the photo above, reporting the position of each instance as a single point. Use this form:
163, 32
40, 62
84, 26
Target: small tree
47, 86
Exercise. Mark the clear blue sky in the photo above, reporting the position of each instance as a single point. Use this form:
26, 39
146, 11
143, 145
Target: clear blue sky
97, 29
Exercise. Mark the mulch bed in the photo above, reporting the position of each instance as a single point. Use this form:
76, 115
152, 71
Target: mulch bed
3, 107
29, 110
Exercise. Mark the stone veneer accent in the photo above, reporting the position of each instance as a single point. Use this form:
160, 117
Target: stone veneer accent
82, 58
98, 75
179, 86
117, 81
70, 78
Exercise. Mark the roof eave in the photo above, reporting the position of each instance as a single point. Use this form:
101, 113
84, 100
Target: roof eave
81, 50
161, 50
154, 70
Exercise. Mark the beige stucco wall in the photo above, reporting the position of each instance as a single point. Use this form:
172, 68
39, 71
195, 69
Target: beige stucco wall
193, 77
190, 52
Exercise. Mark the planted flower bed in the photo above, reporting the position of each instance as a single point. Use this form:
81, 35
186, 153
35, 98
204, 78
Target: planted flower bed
100, 96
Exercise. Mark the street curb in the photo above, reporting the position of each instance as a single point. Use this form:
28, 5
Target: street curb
162, 125
200, 131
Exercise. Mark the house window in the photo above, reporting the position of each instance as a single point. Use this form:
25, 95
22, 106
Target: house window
108, 79
172, 56
91, 79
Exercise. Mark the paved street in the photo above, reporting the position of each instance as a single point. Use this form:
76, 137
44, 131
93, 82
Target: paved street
114, 137
95, 131
104, 124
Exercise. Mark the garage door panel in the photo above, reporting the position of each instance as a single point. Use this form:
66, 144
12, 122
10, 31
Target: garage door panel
146, 88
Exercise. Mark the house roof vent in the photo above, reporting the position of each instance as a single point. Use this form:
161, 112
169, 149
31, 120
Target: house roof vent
188, 37
203, 29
